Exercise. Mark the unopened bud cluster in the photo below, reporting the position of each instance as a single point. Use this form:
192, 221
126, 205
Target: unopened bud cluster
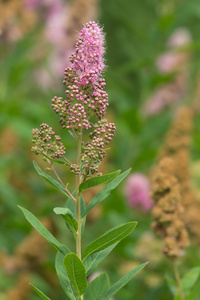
74, 168
94, 150
47, 142
103, 129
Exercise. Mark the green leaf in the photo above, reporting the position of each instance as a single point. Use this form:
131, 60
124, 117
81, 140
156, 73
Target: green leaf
72, 206
92, 261
67, 216
43, 231
106, 191
82, 215
94, 181
76, 272
124, 280
64, 279
194, 293
190, 279
97, 288
109, 238
41, 294
50, 180
56, 160
177, 297
172, 285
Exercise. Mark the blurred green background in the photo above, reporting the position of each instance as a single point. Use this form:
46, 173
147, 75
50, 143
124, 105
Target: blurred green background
36, 38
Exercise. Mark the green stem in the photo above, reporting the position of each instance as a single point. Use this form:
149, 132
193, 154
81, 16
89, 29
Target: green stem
178, 280
78, 200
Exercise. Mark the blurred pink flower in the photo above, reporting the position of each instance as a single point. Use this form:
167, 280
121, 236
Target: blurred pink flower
166, 95
137, 191
175, 60
31, 4
179, 38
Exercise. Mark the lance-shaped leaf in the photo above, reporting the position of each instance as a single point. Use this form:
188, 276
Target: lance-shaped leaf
41, 294
195, 292
43, 231
172, 285
97, 288
76, 272
67, 216
189, 280
109, 238
106, 191
64, 279
124, 280
94, 181
51, 180
92, 261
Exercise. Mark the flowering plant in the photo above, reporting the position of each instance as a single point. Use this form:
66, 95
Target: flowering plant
82, 112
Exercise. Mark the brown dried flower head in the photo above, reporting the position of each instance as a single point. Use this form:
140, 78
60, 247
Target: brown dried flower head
168, 212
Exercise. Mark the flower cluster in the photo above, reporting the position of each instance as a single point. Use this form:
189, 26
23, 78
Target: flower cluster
70, 116
94, 150
137, 191
88, 57
168, 212
47, 142
177, 145
103, 129
85, 86
85, 99
74, 168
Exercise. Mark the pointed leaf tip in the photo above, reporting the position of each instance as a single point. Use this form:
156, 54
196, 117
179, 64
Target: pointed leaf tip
44, 231
40, 293
123, 281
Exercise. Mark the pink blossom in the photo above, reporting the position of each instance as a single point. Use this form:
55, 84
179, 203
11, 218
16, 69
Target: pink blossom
87, 60
179, 38
137, 191
31, 4
165, 96
173, 59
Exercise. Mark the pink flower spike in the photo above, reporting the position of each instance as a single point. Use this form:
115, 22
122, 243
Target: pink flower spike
88, 56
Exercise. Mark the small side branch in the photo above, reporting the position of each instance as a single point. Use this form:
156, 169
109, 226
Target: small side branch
59, 179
